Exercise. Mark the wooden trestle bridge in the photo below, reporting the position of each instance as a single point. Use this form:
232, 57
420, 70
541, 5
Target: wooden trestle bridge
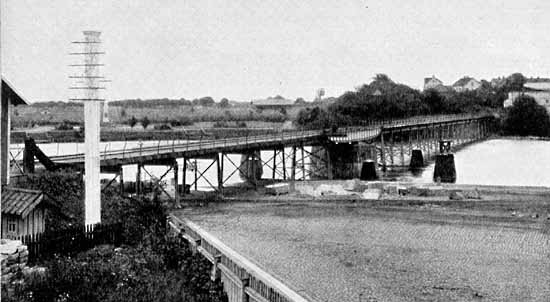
307, 154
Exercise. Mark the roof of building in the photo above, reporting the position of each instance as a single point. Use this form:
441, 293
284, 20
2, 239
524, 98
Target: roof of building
10, 92
20, 202
462, 82
273, 101
537, 85
426, 80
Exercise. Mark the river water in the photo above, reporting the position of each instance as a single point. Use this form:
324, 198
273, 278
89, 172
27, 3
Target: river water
505, 162
493, 162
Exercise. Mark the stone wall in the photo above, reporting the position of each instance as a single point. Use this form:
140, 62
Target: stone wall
13, 257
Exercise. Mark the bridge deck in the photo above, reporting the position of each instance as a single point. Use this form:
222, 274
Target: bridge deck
243, 144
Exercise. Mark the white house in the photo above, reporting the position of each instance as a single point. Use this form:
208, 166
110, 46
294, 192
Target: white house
466, 84
431, 83
538, 90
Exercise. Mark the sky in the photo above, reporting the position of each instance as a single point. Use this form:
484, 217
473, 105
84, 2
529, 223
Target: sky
251, 49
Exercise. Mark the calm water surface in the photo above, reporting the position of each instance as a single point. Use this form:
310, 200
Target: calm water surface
492, 162
498, 162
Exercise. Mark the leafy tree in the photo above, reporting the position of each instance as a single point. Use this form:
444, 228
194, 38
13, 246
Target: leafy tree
300, 101
64, 190
526, 117
145, 122
224, 103
133, 121
204, 101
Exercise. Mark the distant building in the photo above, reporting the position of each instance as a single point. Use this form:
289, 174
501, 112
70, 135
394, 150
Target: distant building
431, 83
538, 90
275, 103
466, 84
436, 84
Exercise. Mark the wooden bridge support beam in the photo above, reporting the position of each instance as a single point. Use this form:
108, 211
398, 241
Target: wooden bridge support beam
274, 163
284, 163
382, 150
196, 175
402, 146
219, 166
426, 138
303, 163
293, 170
139, 187
121, 180
184, 177
391, 148
329, 163
176, 183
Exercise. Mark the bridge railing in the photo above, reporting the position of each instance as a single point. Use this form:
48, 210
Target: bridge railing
200, 145
282, 136
250, 279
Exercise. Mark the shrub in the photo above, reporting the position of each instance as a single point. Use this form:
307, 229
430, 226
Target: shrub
127, 274
527, 117
221, 124
132, 121
65, 191
150, 267
162, 127
145, 122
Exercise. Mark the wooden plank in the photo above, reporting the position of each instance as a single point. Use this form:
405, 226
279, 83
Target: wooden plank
255, 296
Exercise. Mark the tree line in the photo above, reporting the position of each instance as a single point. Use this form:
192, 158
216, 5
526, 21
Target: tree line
385, 99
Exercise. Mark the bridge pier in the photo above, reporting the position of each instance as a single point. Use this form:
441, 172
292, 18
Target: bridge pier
251, 168
138, 179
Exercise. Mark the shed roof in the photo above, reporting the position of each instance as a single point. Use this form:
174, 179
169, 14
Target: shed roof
10, 92
20, 202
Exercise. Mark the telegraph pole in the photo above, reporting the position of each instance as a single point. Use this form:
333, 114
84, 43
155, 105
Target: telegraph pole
1, 130
88, 83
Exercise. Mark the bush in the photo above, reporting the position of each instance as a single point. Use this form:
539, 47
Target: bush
151, 266
145, 122
65, 191
162, 127
221, 124
526, 117
142, 219
132, 121
127, 274
66, 125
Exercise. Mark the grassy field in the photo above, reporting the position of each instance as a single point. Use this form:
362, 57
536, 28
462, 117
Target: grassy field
55, 114
371, 252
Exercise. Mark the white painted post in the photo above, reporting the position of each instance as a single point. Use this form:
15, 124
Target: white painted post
92, 118
1, 130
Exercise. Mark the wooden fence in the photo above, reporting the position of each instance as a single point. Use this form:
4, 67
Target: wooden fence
70, 241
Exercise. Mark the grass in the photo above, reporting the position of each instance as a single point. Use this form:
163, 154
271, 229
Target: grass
57, 113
